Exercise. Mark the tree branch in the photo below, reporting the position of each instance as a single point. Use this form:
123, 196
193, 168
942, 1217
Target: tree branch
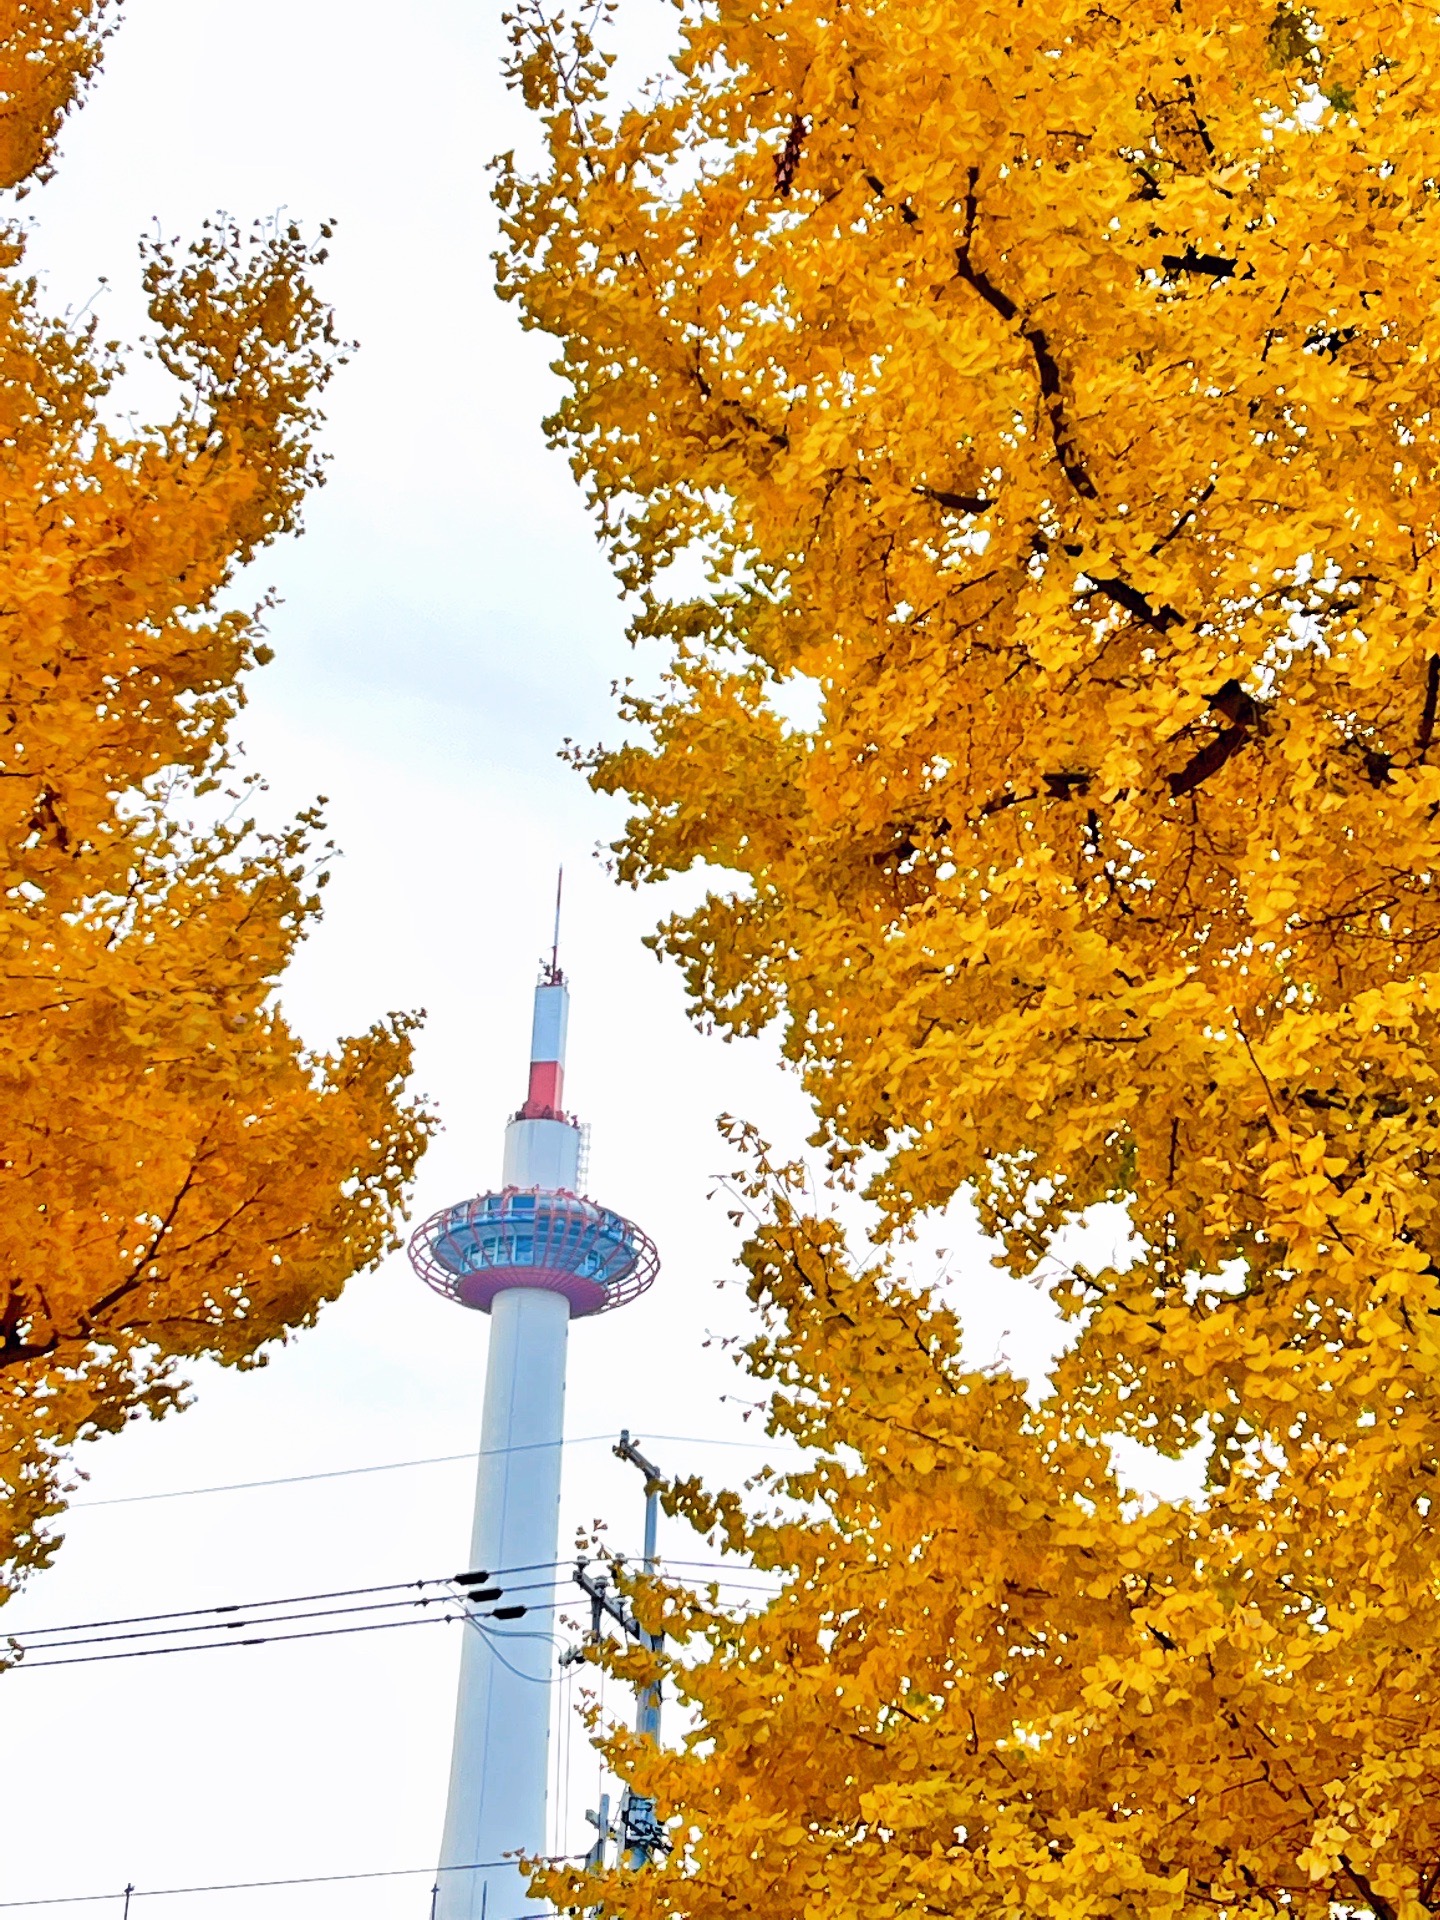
787, 161
1211, 757
1192, 261
960, 502
1427, 717
1376, 1902
1047, 366
1133, 601
18, 1353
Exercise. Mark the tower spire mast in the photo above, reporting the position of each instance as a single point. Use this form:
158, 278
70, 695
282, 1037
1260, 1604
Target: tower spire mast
555, 973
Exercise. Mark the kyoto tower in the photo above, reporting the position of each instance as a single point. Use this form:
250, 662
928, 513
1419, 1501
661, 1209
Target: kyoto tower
534, 1256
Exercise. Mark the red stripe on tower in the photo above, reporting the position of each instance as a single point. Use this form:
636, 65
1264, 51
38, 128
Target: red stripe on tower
547, 1081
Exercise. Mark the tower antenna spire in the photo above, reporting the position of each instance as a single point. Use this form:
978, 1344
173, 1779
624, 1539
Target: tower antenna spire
555, 973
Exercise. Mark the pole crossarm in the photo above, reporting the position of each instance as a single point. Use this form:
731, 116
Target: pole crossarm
603, 1600
626, 1449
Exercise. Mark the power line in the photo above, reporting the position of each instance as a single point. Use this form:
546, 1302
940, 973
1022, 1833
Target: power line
221, 1622
334, 1473
397, 1466
287, 1600
222, 1627
236, 1606
211, 1646
242, 1886
535, 1679
665, 1560
223, 1615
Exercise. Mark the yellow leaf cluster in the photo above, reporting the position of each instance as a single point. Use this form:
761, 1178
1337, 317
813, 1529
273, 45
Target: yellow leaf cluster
49, 50
990, 1683
178, 1176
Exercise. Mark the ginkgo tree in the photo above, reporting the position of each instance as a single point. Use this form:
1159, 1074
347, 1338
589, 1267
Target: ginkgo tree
990, 1683
1049, 393
179, 1177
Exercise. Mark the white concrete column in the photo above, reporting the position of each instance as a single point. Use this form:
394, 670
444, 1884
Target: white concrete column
542, 1153
500, 1761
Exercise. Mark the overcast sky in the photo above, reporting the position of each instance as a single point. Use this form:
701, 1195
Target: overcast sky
446, 623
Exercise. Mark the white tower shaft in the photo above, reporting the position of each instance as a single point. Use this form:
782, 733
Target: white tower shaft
499, 1763
500, 1759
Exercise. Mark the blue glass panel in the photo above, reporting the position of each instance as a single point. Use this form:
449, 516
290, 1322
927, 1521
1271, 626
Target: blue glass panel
579, 1237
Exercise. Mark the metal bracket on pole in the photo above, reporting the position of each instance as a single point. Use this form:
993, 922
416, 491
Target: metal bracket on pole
602, 1600
626, 1449
604, 1833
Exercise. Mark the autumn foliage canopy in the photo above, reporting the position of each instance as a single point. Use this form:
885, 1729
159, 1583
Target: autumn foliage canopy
178, 1176
1045, 400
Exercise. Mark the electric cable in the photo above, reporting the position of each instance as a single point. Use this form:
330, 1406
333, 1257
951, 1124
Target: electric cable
665, 1560
552, 1793
236, 1606
535, 1679
566, 1741
219, 1629
240, 1621
536, 1607
224, 1616
286, 1600
398, 1466
600, 1762
245, 1886
334, 1473
221, 1623
211, 1646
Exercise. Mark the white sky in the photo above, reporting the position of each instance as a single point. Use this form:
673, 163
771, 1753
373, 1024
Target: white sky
447, 622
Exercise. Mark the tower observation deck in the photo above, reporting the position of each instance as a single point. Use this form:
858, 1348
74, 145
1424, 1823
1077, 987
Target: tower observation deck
533, 1254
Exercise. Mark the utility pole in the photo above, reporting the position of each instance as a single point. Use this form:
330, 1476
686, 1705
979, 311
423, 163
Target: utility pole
602, 1603
647, 1717
640, 1834
643, 1834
